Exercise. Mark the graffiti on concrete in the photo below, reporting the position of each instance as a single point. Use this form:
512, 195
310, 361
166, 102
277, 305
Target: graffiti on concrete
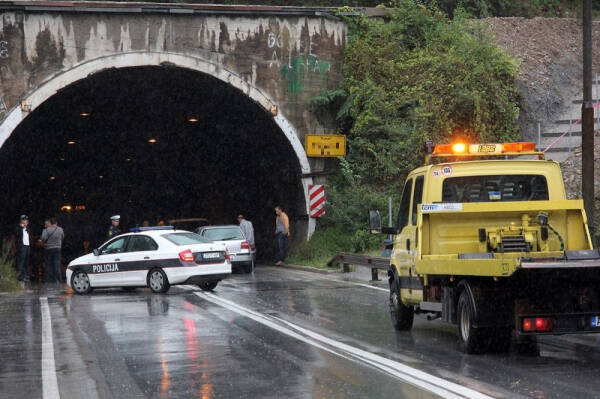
295, 71
3, 107
3, 49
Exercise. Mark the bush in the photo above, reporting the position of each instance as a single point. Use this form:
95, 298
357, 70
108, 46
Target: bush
8, 274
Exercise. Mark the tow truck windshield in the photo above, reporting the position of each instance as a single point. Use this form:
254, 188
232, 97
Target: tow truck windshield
495, 188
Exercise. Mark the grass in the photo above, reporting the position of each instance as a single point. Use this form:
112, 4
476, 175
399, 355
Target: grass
325, 244
8, 274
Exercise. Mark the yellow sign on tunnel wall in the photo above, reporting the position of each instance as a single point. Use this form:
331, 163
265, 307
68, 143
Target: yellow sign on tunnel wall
325, 145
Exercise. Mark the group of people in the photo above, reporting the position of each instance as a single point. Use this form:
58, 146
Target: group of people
51, 240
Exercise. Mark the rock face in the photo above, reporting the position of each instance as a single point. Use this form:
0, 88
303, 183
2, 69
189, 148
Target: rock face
550, 81
550, 78
571, 168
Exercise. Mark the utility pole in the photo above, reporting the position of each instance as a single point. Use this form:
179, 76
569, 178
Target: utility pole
587, 120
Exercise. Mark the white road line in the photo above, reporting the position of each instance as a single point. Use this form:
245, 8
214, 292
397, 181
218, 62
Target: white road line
49, 379
423, 380
321, 277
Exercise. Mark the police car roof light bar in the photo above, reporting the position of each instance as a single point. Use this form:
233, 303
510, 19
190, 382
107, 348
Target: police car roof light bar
138, 229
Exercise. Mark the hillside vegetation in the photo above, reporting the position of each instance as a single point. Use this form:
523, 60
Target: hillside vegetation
419, 76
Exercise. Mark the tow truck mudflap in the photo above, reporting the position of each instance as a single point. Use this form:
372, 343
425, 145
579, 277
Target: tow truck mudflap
584, 258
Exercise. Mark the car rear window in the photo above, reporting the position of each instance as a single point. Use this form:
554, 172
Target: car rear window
495, 188
185, 238
223, 234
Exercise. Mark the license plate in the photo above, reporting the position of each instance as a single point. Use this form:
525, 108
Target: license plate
595, 321
211, 255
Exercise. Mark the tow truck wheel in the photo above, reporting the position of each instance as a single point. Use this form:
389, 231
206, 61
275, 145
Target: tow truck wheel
157, 281
81, 282
402, 315
470, 339
208, 285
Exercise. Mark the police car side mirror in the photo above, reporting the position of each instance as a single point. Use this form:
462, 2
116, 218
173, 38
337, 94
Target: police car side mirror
96, 252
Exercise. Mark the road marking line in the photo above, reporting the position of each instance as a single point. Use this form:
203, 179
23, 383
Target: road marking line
421, 379
49, 379
321, 277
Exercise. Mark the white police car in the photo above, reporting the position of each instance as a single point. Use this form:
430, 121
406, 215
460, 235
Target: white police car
155, 257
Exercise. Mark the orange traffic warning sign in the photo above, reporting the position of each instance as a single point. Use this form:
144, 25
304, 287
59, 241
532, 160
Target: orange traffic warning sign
325, 145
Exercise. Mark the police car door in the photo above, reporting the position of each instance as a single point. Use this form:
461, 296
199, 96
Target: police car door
137, 260
104, 270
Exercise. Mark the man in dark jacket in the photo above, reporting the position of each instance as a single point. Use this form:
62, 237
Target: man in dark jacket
23, 245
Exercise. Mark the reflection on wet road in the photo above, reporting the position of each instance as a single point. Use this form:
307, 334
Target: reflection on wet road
277, 333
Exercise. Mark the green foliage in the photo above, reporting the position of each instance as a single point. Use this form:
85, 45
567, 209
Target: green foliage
421, 76
8, 274
418, 76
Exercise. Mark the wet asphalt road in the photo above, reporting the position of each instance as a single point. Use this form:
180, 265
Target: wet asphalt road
275, 334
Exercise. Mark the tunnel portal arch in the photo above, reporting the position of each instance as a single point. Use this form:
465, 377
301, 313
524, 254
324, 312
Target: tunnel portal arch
83, 70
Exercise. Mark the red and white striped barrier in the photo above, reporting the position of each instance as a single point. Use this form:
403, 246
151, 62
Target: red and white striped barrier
316, 193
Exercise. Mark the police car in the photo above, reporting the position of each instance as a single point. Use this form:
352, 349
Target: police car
155, 257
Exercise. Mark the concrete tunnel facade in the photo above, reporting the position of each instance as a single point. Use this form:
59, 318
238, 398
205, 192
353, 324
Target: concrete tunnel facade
276, 57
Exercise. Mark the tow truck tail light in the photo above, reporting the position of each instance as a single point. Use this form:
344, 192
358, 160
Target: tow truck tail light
245, 245
538, 324
186, 256
518, 147
227, 254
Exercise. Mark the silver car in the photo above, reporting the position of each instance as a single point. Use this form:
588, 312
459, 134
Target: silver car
240, 251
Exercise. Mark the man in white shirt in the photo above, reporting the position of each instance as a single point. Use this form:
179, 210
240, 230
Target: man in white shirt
247, 230
22, 244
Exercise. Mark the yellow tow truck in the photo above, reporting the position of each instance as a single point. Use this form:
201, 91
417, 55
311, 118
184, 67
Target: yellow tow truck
486, 239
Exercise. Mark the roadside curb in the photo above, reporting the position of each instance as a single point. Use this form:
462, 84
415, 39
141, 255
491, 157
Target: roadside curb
306, 269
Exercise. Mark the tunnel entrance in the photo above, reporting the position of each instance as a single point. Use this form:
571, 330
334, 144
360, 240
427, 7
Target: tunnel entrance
148, 143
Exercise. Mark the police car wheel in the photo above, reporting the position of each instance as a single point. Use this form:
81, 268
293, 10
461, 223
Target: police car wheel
81, 282
157, 281
249, 267
208, 285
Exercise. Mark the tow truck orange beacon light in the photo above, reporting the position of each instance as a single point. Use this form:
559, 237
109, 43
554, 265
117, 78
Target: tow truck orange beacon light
518, 147
456, 148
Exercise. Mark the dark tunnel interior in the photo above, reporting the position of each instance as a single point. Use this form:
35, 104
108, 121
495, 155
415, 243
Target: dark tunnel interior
148, 143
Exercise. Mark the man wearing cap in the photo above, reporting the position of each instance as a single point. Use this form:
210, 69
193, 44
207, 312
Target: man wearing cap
113, 230
22, 244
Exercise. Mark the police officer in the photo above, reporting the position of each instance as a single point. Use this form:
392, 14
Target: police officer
113, 230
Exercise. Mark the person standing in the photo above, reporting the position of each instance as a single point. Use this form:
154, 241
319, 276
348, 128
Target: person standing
247, 230
23, 247
52, 237
282, 232
113, 230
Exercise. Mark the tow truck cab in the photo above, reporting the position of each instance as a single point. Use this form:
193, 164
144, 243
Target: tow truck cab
494, 246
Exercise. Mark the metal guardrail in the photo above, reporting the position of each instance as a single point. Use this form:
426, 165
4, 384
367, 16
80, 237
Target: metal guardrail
375, 263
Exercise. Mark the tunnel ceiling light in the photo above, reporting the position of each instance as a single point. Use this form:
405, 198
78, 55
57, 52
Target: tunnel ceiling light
192, 120
71, 142
84, 114
152, 141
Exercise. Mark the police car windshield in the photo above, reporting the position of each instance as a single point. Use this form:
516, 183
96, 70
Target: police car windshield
185, 238
223, 234
495, 188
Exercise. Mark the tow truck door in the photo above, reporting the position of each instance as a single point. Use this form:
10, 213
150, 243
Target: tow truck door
405, 245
